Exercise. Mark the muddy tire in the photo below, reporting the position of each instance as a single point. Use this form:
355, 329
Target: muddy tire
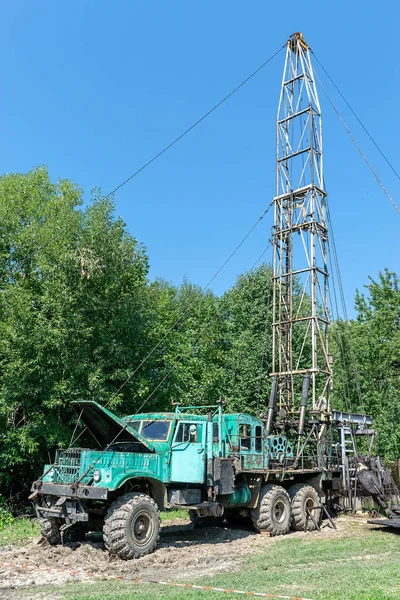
50, 530
198, 521
132, 526
303, 496
273, 512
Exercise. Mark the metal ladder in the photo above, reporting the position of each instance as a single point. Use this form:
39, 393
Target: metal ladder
348, 449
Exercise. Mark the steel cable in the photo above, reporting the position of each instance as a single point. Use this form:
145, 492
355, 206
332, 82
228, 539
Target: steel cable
165, 337
338, 335
344, 308
196, 340
207, 114
239, 245
356, 116
358, 147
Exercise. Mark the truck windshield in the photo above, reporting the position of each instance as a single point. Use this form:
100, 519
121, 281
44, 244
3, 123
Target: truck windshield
156, 430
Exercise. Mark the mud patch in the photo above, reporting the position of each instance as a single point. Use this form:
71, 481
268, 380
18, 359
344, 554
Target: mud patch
184, 553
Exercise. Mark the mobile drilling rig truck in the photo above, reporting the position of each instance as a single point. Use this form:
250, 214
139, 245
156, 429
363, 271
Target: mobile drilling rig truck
215, 465
279, 470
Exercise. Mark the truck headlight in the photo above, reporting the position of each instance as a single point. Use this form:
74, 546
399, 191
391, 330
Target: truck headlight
96, 475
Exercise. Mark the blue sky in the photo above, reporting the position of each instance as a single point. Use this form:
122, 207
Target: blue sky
93, 89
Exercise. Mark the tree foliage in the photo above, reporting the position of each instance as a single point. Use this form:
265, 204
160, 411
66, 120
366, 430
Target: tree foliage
73, 312
187, 366
367, 359
247, 312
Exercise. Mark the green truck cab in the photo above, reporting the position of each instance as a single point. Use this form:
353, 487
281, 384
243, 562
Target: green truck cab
215, 465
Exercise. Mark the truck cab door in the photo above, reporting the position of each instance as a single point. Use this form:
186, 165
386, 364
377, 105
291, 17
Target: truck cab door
188, 464
251, 446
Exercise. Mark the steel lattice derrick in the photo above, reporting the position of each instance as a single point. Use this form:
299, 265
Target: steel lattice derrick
300, 308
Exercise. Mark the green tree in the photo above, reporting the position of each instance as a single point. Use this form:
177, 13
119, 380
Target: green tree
73, 313
247, 311
367, 359
188, 364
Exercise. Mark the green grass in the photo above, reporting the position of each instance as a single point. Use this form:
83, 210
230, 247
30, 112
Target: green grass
169, 515
362, 565
19, 533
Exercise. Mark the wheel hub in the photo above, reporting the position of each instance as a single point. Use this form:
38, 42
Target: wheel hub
279, 511
142, 528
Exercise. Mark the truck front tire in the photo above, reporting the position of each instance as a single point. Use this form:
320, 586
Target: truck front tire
132, 526
273, 512
50, 530
303, 496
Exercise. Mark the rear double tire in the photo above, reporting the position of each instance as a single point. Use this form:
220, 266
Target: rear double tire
132, 526
304, 496
273, 512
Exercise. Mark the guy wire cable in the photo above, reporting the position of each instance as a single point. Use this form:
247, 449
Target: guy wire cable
170, 329
357, 146
200, 120
344, 309
356, 116
195, 341
207, 114
189, 307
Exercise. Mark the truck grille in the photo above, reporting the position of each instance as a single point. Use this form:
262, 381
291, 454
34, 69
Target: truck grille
67, 465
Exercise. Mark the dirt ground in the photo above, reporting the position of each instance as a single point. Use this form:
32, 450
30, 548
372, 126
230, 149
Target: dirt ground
184, 553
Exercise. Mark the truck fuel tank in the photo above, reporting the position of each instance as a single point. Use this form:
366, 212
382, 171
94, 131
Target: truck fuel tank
241, 495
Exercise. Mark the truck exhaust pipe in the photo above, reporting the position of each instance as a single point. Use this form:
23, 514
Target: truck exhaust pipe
213, 509
271, 406
303, 402
210, 458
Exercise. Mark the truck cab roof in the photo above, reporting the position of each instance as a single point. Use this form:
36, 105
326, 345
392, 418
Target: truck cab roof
184, 416
164, 416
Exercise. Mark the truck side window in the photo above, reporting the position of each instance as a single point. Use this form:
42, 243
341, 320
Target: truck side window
245, 436
258, 438
189, 432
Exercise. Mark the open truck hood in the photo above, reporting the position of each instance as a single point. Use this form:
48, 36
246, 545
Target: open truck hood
105, 426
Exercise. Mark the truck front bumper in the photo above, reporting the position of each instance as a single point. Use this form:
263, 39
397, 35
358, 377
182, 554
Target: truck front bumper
85, 492
70, 504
